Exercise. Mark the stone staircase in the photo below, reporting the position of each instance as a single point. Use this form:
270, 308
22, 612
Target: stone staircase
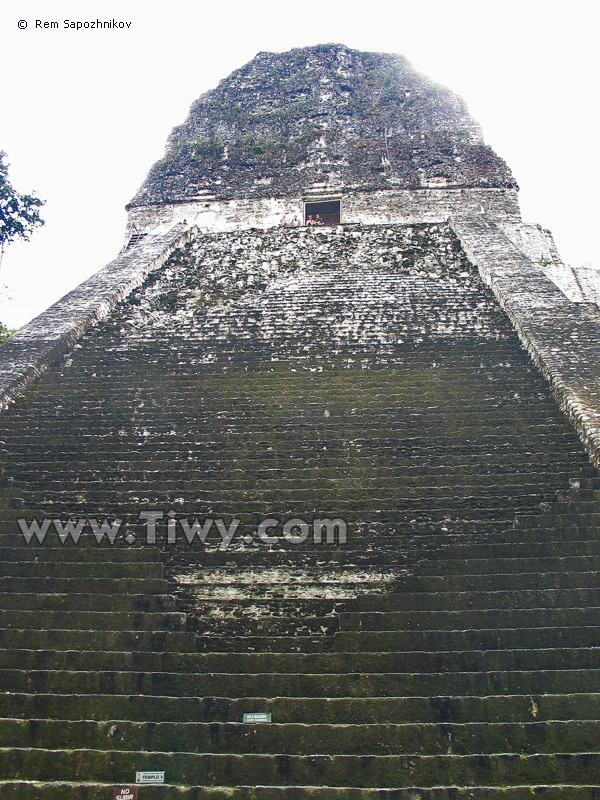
448, 649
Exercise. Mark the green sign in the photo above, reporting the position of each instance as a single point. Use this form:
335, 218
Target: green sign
257, 716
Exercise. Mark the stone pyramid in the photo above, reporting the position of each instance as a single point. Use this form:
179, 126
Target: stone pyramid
310, 512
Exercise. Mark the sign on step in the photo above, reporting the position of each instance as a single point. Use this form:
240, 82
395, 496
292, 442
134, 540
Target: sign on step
125, 793
149, 777
255, 717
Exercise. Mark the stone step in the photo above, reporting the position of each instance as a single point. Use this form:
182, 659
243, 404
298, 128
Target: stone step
518, 564
387, 439
26, 504
203, 602
299, 685
232, 353
195, 334
182, 383
426, 558
91, 620
294, 585
392, 530
322, 663
201, 409
513, 581
264, 583
308, 710
64, 569
499, 599
250, 513
281, 625
93, 640
396, 442
256, 555
455, 533
89, 555
522, 499
389, 622
75, 790
320, 769
517, 549
181, 379
426, 640
467, 619
38, 601
299, 739
92, 585
349, 545
558, 522
477, 471
524, 475
402, 413
416, 542
574, 505
463, 460
479, 638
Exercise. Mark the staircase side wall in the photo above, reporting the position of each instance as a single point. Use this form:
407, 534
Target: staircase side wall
26, 354
562, 336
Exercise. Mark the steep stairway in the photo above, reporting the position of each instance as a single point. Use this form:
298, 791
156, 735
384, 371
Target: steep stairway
447, 646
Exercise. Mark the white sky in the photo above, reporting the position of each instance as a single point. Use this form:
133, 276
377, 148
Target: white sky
83, 115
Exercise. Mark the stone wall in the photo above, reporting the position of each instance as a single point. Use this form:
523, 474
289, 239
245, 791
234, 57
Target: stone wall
389, 207
562, 337
538, 245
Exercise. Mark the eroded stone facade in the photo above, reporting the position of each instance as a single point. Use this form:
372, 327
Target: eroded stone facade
325, 114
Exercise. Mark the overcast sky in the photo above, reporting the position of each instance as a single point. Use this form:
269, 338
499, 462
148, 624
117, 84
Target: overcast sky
84, 114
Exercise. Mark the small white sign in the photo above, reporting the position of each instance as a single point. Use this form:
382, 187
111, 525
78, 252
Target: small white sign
149, 777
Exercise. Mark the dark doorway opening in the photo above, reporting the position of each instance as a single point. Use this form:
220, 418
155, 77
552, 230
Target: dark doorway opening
330, 211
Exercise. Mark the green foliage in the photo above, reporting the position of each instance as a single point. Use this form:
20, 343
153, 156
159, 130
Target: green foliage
19, 213
4, 332
255, 146
179, 147
208, 148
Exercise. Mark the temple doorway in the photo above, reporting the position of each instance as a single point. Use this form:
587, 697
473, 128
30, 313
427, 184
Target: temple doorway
330, 211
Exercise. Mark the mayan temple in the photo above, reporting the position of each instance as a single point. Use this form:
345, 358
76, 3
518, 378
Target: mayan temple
298, 511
